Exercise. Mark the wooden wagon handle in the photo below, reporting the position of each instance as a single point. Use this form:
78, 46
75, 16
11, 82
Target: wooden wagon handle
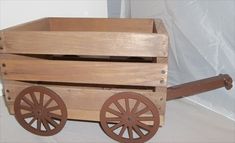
199, 86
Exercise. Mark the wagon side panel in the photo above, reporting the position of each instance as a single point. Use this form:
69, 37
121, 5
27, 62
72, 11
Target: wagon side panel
82, 103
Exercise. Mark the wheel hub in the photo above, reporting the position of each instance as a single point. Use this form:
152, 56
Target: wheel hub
129, 119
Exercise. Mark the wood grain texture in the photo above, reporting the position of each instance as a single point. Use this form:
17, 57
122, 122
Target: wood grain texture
35, 25
86, 43
114, 73
162, 60
159, 27
21, 57
101, 24
83, 103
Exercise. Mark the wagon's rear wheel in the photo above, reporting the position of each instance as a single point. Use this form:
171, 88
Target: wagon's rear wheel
129, 117
40, 111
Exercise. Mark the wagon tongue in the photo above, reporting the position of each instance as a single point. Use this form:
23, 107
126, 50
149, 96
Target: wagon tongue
199, 86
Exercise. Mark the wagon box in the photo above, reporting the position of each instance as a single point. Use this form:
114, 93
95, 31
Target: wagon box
113, 71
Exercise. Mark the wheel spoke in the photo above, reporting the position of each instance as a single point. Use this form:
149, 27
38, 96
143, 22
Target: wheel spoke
41, 99
130, 132
142, 111
145, 118
127, 105
27, 115
45, 124
26, 108
114, 112
52, 122
53, 108
120, 108
56, 116
116, 126
26, 100
111, 119
123, 130
31, 122
138, 131
39, 124
33, 98
48, 102
144, 126
135, 106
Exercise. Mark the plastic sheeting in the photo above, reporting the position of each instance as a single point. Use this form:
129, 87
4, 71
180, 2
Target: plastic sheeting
202, 36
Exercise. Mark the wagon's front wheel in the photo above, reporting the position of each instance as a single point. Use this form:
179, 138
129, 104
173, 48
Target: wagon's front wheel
40, 111
129, 117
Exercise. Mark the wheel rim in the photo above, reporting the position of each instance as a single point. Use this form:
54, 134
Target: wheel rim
40, 111
124, 117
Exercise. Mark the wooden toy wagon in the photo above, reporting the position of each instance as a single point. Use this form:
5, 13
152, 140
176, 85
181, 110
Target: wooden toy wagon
113, 71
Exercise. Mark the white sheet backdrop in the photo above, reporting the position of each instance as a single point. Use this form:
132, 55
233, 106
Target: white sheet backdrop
202, 36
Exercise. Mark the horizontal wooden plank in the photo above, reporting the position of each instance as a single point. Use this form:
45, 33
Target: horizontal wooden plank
113, 73
35, 25
22, 57
86, 43
101, 24
83, 103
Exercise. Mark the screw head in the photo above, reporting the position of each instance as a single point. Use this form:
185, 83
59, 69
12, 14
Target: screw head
162, 81
163, 71
9, 98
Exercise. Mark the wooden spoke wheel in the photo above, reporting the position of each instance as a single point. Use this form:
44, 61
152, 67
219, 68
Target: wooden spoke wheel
40, 111
129, 117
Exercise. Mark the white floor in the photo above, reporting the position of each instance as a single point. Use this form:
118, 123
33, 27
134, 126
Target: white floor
185, 123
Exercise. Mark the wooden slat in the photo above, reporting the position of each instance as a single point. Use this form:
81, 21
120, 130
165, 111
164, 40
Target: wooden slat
21, 57
86, 43
101, 24
114, 73
83, 103
162, 60
36, 25
160, 27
